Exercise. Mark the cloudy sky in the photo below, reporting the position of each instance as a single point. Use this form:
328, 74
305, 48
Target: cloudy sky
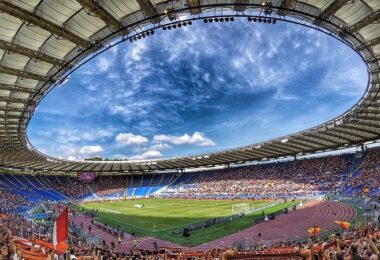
198, 89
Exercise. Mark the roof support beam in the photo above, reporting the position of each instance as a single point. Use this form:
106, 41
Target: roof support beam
342, 130
286, 4
31, 18
30, 53
335, 135
194, 6
311, 145
9, 116
368, 116
4, 108
253, 156
366, 130
277, 151
342, 136
227, 158
240, 5
298, 147
13, 99
287, 147
369, 123
370, 43
318, 139
331, 10
313, 140
331, 140
17, 88
99, 11
260, 151
365, 21
22, 74
149, 10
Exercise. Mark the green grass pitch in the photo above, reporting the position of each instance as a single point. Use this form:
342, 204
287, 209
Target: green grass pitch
164, 219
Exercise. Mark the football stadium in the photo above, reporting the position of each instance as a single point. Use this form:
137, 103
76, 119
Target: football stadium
97, 98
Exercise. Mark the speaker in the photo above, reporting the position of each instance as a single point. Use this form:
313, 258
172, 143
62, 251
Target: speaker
185, 232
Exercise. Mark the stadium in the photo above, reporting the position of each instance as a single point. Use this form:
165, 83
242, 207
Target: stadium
313, 194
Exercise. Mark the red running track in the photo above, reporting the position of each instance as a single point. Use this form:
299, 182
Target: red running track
288, 227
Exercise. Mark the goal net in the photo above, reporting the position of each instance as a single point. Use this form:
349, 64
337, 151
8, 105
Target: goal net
241, 208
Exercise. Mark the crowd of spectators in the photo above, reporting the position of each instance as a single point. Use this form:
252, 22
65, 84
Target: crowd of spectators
358, 243
311, 176
102, 185
368, 175
283, 178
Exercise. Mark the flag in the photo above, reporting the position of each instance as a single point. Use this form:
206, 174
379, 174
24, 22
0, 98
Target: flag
61, 226
314, 230
343, 224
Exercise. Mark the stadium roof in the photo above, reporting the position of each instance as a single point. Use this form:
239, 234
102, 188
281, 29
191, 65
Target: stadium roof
41, 41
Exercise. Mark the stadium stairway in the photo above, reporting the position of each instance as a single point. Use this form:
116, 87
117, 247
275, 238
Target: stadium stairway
354, 169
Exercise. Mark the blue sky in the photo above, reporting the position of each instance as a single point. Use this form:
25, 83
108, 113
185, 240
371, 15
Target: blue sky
198, 89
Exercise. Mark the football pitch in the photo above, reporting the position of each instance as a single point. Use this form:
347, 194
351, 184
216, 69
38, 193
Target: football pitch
165, 219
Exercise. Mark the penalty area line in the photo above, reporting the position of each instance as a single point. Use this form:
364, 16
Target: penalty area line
110, 210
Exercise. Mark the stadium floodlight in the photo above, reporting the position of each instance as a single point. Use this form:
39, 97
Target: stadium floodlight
171, 14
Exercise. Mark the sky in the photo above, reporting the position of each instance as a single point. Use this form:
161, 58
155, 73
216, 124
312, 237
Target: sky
198, 89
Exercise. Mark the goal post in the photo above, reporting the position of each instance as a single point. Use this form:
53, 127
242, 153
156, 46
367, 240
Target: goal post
241, 208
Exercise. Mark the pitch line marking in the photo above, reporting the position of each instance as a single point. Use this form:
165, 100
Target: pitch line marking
110, 210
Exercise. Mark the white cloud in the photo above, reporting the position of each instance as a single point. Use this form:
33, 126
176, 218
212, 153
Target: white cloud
90, 149
197, 138
72, 158
104, 64
147, 155
130, 139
